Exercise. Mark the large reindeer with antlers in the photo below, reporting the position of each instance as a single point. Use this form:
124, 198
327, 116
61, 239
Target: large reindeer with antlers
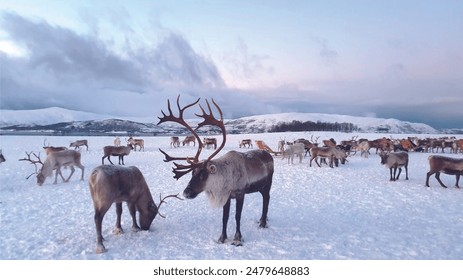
230, 176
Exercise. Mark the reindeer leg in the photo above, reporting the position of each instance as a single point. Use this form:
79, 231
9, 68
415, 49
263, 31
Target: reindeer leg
225, 215
81, 168
132, 211
72, 172
438, 179
457, 180
58, 172
265, 202
237, 240
118, 229
427, 178
400, 170
99, 214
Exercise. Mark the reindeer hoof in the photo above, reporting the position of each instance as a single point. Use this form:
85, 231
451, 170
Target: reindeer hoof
237, 243
118, 231
262, 225
100, 249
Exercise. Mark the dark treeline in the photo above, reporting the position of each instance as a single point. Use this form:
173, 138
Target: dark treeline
313, 126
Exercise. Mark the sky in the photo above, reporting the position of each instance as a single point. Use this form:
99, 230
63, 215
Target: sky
387, 59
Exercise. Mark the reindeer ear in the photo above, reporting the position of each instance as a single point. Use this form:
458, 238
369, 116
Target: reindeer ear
212, 168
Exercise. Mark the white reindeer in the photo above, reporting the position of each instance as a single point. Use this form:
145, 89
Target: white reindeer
297, 149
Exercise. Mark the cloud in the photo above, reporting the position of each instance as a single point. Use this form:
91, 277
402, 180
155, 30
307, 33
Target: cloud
245, 67
327, 55
60, 67
63, 68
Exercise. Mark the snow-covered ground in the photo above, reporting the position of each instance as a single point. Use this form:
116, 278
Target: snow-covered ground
350, 212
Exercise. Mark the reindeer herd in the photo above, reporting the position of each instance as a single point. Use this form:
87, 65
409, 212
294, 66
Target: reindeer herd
394, 153
228, 177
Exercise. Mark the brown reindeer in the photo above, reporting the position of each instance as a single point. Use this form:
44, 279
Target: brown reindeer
77, 144
137, 142
174, 142
245, 143
394, 161
189, 139
119, 151
210, 142
321, 152
114, 184
459, 146
446, 165
230, 176
407, 145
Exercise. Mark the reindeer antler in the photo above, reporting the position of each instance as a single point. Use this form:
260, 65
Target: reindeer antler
161, 201
180, 120
34, 162
209, 119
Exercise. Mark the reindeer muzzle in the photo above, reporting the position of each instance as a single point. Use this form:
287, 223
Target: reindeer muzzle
189, 193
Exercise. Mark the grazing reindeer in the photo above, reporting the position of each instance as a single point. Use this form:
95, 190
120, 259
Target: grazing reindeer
120, 151
447, 165
114, 184
79, 143
55, 161
230, 176
188, 139
174, 142
208, 142
2, 158
137, 142
246, 142
333, 154
394, 161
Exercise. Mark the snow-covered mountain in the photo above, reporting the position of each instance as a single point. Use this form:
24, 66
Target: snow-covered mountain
48, 118
364, 124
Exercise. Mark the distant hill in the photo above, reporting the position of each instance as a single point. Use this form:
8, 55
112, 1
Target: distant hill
364, 124
53, 120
